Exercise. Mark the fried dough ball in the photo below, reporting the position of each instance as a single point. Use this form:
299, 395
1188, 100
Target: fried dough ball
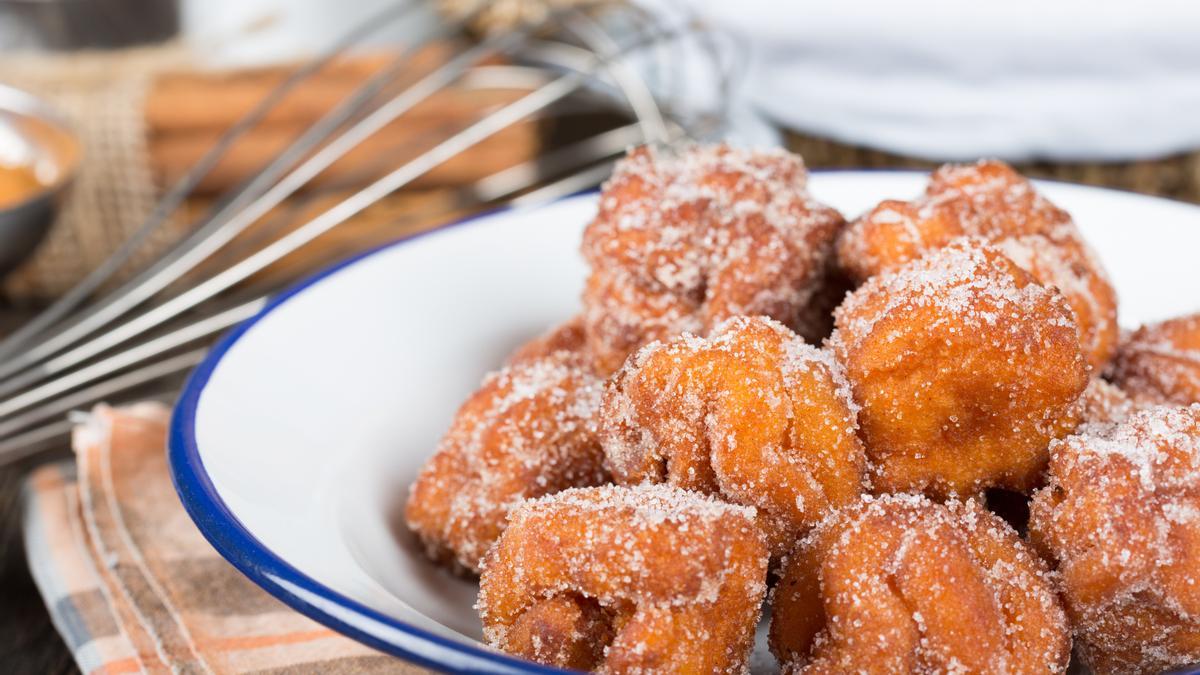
964, 368
991, 201
1160, 363
752, 414
647, 579
686, 238
987, 199
528, 431
568, 337
621, 316
900, 584
1121, 516
1104, 403
1076, 273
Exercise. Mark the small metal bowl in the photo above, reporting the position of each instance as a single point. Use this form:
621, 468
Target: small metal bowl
33, 134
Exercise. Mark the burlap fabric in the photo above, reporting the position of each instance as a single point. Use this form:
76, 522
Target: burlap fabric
101, 93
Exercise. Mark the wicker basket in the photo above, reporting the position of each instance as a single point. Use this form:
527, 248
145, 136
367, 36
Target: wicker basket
1177, 177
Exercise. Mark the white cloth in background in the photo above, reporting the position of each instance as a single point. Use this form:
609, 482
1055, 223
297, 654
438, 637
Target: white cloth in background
685, 72
1055, 79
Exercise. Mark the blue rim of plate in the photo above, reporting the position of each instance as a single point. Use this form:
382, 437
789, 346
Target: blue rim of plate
251, 557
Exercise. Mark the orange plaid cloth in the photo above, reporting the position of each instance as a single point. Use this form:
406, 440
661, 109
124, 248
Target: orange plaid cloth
133, 586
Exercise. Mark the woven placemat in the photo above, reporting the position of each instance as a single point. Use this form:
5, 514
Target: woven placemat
1177, 177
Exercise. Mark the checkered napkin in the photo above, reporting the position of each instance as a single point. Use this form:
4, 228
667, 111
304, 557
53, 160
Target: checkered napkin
133, 586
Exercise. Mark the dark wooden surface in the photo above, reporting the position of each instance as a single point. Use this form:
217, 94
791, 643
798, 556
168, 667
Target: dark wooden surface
28, 641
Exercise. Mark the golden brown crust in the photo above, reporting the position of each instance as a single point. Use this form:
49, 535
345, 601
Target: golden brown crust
621, 316
1160, 363
899, 584
964, 369
1121, 516
568, 631
987, 199
688, 237
529, 430
1104, 403
752, 414
637, 580
568, 337
1073, 270
991, 201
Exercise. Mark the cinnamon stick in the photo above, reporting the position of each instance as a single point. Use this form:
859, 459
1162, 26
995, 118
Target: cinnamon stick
187, 113
172, 157
203, 99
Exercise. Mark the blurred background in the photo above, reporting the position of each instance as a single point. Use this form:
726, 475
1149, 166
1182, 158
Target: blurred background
107, 104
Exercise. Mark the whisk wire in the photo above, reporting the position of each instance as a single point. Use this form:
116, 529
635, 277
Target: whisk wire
339, 213
105, 387
174, 198
52, 370
500, 186
153, 347
248, 205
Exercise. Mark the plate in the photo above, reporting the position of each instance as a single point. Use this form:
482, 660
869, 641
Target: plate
294, 442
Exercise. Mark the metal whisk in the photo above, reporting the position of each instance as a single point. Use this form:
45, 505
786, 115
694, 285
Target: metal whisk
138, 338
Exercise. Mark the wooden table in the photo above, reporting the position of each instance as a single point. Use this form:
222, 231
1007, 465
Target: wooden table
29, 643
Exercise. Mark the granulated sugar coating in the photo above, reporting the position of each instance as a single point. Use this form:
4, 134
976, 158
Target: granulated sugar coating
1160, 363
569, 337
1076, 273
967, 364
1121, 516
964, 368
752, 414
647, 579
899, 584
991, 201
528, 431
1104, 403
687, 237
987, 199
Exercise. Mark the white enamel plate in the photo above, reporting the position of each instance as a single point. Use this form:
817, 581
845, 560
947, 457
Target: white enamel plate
294, 442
